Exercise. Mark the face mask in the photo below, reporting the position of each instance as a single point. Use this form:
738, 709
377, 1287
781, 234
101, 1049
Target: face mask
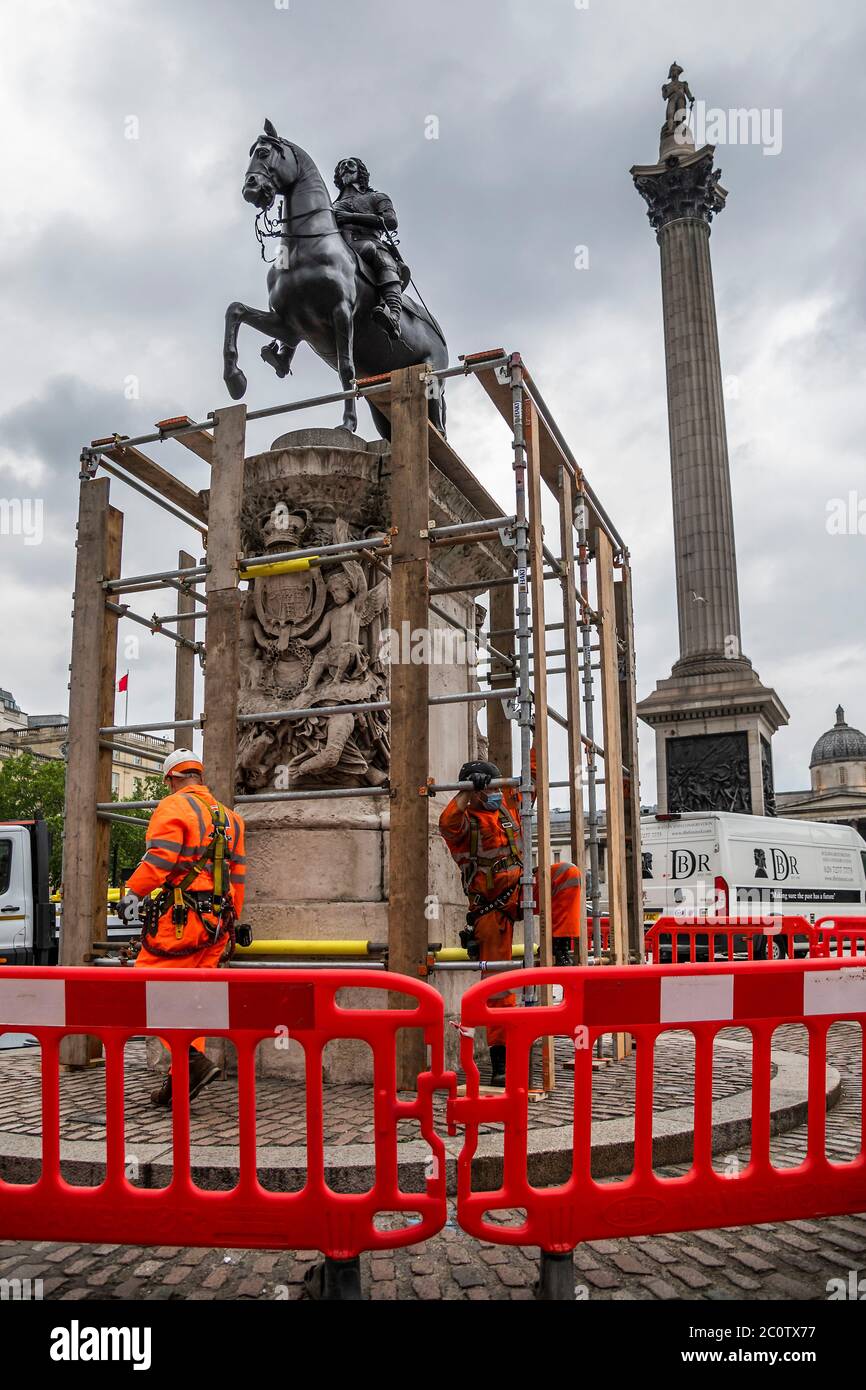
492, 800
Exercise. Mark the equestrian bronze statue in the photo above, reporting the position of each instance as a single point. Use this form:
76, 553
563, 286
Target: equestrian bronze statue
337, 280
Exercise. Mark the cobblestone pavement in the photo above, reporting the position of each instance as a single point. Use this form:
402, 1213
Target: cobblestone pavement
348, 1117
790, 1260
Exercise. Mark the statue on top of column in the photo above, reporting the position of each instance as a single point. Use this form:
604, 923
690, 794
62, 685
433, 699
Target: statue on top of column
678, 95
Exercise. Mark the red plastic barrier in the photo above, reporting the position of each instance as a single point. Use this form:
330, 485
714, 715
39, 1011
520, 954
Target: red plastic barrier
646, 1002
838, 932
178, 1005
668, 931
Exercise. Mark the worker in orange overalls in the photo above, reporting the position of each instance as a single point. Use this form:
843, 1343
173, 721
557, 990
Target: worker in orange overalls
195, 859
482, 830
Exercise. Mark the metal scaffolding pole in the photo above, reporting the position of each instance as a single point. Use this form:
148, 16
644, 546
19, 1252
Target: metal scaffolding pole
522, 616
589, 724
123, 610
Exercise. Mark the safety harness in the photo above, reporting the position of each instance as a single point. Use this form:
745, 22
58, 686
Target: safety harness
491, 867
215, 901
479, 905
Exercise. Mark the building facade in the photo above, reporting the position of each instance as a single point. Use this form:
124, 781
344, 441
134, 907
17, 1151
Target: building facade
837, 771
46, 736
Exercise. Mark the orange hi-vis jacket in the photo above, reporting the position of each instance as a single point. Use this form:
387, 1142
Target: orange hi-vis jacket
179, 832
487, 846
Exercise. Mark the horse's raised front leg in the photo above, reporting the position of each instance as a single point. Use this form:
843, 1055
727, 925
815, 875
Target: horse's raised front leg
262, 319
344, 328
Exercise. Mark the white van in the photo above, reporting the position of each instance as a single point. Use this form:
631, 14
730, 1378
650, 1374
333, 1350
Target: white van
718, 862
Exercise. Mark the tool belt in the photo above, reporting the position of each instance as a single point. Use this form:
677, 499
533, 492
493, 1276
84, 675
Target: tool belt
479, 907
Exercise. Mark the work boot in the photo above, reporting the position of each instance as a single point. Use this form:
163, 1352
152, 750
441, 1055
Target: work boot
497, 1064
162, 1095
562, 951
202, 1071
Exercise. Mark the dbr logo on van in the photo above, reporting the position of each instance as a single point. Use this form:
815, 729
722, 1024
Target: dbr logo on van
685, 863
784, 865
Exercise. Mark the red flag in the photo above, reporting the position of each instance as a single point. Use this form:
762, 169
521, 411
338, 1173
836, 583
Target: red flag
123, 683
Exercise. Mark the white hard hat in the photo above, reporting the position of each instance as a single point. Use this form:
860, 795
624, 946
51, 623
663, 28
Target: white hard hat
182, 760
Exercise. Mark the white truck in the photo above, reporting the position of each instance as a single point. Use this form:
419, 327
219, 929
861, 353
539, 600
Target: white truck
725, 864
28, 927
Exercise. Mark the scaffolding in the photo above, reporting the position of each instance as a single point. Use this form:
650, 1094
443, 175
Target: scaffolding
592, 553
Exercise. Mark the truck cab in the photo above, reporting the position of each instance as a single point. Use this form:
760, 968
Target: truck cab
27, 914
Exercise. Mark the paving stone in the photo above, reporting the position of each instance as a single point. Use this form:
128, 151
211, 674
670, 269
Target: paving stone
466, 1277
750, 1260
495, 1255
601, 1278
692, 1278
660, 1288
786, 1287
426, 1288
387, 1289
703, 1257
717, 1238
513, 1277
628, 1262
741, 1280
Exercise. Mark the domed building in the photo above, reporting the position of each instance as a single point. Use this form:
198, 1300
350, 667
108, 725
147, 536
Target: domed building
838, 772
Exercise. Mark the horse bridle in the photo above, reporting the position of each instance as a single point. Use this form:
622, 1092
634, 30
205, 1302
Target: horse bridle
264, 228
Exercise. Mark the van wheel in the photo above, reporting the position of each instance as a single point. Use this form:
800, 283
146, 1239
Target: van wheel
778, 947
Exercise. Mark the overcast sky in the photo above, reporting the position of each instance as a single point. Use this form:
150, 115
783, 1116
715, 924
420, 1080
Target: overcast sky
119, 255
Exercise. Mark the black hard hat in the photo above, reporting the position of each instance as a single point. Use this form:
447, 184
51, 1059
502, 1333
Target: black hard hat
467, 770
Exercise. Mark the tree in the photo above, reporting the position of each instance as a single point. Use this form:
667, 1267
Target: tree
32, 786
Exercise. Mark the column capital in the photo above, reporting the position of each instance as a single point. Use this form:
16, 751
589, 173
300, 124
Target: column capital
682, 185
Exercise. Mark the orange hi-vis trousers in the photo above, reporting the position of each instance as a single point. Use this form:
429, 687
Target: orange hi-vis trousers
495, 930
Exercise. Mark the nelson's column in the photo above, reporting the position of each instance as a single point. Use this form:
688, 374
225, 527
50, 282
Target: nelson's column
712, 717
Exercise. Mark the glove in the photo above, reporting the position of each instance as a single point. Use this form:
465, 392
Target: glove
470, 942
480, 780
129, 909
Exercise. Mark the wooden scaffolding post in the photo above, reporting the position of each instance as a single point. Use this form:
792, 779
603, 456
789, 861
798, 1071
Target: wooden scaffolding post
572, 694
631, 768
410, 714
614, 811
223, 603
499, 726
542, 760
184, 661
91, 705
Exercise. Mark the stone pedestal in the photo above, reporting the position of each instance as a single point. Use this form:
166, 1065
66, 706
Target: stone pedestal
713, 732
318, 869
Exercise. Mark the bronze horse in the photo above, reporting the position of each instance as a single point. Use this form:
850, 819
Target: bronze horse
319, 292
